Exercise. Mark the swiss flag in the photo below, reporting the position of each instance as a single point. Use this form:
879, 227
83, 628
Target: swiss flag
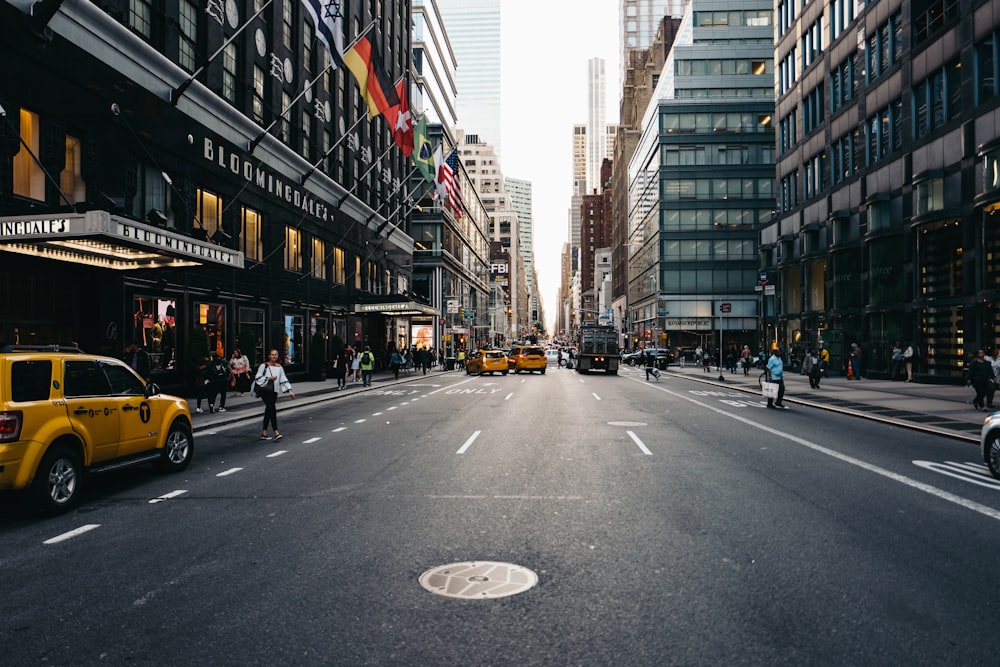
401, 121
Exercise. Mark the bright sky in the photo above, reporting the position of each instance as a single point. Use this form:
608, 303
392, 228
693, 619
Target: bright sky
545, 49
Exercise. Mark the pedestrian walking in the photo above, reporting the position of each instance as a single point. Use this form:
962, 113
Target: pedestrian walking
980, 376
395, 363
355, 370
341, 364
215, 377
855, 361
897, 360
649, 359
745, 360
367, 362
775, 370
269, 381
818, 368
137, 357
908, 354
239, 372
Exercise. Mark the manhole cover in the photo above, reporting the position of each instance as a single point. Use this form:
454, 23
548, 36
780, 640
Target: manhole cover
626, 424
478, 580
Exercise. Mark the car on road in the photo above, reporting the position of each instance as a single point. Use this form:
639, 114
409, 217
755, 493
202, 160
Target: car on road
989, 443
552, 356
664, 357
486, 361
66, 416
528, 358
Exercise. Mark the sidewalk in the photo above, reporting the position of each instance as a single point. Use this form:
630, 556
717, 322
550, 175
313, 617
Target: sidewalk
933, 408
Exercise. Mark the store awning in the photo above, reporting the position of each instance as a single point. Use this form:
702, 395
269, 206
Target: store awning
97, 238
394, 308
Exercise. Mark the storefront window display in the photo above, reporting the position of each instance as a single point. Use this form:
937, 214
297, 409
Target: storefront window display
293, 349
422, 335
212, 318
154, 324
252, 319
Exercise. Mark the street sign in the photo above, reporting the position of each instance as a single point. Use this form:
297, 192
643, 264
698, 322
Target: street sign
762, 277
725, 307
768, 290
452, 306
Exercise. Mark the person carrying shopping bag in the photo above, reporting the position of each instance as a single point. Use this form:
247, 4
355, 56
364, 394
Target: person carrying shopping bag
269, 381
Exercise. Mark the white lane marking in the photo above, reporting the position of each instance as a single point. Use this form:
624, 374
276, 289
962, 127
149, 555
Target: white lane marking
311, 441
167, 496
468, 442
376, 414
595, 396
277, 453
339, 429
451, 385
864, 465
636, 440
508, 396
73, 533
359, 421
226, 473
392, 408
967, 472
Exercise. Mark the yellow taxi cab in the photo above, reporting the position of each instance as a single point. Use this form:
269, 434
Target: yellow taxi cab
66, 415
528, 358
486, 361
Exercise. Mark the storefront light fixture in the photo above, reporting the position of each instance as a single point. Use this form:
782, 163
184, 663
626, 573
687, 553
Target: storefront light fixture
156, 217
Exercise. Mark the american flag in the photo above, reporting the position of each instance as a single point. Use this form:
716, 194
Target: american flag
448, 179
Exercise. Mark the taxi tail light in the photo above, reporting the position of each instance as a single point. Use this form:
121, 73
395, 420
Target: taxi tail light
10, 425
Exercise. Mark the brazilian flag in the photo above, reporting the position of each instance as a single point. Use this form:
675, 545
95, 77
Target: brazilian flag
423, 153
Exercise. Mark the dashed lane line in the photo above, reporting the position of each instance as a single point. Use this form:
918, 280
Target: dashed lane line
226, 473
71, 534
468, 443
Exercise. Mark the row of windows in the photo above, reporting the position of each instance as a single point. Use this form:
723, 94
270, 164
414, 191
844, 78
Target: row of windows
723, 66
706, 219
812, 43
703, 93
844, 82
673, 189
727, 154
937, 99
714, 122
813, 110
708, 250
723, 19
787, 72
695, 281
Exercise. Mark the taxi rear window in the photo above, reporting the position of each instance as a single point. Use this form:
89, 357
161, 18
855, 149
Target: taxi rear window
534, 351
30, 380
494, 355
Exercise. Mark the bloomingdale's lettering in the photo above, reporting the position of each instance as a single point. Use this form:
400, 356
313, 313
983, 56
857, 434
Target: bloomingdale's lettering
264, 179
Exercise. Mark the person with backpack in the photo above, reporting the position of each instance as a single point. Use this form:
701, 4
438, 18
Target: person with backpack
367, 366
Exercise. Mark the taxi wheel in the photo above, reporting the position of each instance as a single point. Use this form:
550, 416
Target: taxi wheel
504, 372
178, 449
517, 371
993, 454
543, 371
58, 480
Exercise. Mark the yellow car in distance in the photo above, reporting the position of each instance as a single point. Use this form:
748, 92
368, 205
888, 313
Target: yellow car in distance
528, 358
486, 361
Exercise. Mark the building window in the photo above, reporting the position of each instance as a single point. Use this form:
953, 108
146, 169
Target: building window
187, 35
229, 68
307, 42
937, 99
879, 216
29, 179
929, 196
293, 250
285, 127
258, 94
250, 234
287, 23
71, 177
934, 17
208, 215
306, 133
339, 266
840, 230
140, 16
318, 262
986, 69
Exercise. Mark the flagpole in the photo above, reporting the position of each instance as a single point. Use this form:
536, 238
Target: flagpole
254, 142
313, 168
178, 92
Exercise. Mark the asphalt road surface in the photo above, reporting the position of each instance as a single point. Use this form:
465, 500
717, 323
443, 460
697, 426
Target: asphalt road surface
658, 523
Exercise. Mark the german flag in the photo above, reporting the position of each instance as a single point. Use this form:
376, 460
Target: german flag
375, 85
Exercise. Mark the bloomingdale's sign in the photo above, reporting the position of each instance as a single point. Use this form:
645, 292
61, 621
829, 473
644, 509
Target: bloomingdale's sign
267, 180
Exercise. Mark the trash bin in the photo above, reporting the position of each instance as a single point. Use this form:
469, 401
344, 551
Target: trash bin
449, 363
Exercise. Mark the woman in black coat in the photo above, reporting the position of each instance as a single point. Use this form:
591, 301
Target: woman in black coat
341, 363
980, 376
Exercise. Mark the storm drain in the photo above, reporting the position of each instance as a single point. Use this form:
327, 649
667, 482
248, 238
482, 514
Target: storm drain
478, 580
